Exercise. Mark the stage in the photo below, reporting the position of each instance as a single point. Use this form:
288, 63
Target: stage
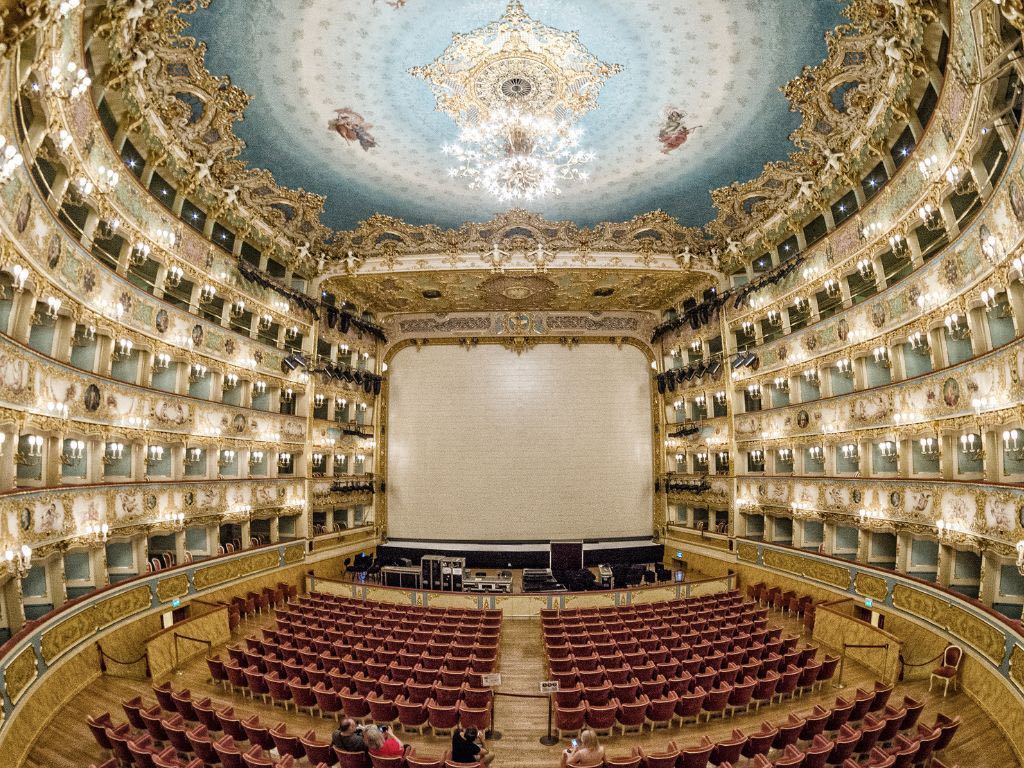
523, 554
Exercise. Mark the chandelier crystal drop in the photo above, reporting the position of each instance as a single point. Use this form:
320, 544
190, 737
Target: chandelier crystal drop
516, 156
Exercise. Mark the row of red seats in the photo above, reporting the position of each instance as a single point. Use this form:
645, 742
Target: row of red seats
894, 739
207, 733
660, 607
376, 611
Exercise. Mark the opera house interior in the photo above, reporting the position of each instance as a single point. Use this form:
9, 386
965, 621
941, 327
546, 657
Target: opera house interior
511, 382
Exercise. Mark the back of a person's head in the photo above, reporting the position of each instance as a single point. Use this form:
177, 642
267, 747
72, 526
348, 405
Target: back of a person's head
373, 737
348, 724
469, 734
589, 739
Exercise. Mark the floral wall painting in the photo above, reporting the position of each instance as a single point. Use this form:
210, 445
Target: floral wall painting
352, 126
674, 130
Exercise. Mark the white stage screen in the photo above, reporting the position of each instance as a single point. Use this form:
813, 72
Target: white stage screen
488, 445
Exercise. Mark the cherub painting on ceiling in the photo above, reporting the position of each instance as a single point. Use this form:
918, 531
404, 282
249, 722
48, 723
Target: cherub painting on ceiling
351, 126
674, 131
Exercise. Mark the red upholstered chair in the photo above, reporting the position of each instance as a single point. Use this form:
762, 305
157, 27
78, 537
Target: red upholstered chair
729, 750
695, 756
474, 717
623, 761
789, 731
257, 682
741, 696
318, 752
869, 732
598, 694
232, 724
814, 722
153, 725
327, 701
286, 743
411, 714
600, 718
302, 695
862, 701
877, 758
477, 697
569, 697
788, 682
764, 689
119, 738
398, 761
948, 671
716, 701
690, 705
236, 678
569, 719
947, 727
881, 698
279, 691
840, 714
143, 752
352, 759
846, 740
666, 759
817, 753
904, 751
913, 708
257, 733
760, 743
164, 697
791, 757
175, 728
662, 710
218, 674
442, 718
414, 760
206, 711
183, 705
98, 726
828, 671
632, 715
354, 705
202, 745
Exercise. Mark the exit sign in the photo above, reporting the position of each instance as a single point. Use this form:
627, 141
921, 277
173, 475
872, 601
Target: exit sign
868, 602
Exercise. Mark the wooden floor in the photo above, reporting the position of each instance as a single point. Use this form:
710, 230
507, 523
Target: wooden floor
66, 742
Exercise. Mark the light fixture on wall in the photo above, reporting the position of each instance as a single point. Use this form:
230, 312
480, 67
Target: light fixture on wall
237, 308
52, 308
164, 237
207, 293
956, 326
161, 361
255, 458
898, 244
230, 381
930, 448
845, 367
69, 81
700, 401
865, 268
18, 560
871, 230
774, 318
226, 458
173, 277
960, 181
287, 395
74, 451
172, 520
192, 456
992, 248
816, 453
811, 376
889, 451
754, 391
197, 372
918, 342
291, 333
832, 288
112, 452
785, 455
95, 532
139, 254
32, 453
1013, 444
701, 459
747, 327
284, 460
84, 335
849, 451
319, 400
930, 217
123, 349
154, 455
881, 356
259, 388
10, 160
265, 322
971, 446
927, 166
695, 346
801, 304
988, 298
720, 398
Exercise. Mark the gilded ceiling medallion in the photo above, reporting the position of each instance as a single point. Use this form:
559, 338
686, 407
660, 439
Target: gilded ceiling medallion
525, 289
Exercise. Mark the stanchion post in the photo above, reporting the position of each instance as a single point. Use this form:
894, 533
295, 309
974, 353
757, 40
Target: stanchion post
842, 666
493, 733
549, 739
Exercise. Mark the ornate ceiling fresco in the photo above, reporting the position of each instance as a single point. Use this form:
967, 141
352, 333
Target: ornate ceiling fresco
336, 110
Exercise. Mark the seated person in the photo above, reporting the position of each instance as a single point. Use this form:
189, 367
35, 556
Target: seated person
587, 754
468, 747
348, 737
380, 742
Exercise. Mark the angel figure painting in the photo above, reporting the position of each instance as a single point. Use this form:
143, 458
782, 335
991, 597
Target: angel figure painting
351, 126
674, 131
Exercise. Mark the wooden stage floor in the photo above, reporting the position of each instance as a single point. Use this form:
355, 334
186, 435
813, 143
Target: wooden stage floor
65, 742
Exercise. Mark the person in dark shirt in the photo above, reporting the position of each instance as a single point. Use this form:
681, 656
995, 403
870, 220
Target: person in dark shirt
468, 747
348, 737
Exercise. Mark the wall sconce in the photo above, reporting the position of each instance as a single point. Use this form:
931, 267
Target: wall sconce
700, 401
695, 346
255, 458
956, 326
265, 322
33, 451
889, 451
871, 231
173, 520
95, 532
139, 254
291, 333
832, 288
951, 531
754, 391
113, 452
173, 277
154, 455
52, 307
930, 448
68, 82
811, 376
930, 216
197, 372
971, 446
845, 367
18, 560
816, 453
340, 460
867, 515
881, 356
781, 384
747, 328
774, 318
720, 398
123, 349
193, 456
343, 349
225, 458
284, 460
988, 298
10, 160
757, 456
701, 459
207, 294
960, 181
82, 188
287, 395
318, 459
865, 268
918, 342
340, 405
363, 407
259, 388
164, 237
73, 452
801, 303
927, 166
723, 460
991, 248
19, 276
898, 245
785, 455
849, 451
230, 381
318, 401
1012, 444
161, 361
237, 308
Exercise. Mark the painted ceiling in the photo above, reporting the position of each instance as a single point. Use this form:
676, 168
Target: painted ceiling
696, 106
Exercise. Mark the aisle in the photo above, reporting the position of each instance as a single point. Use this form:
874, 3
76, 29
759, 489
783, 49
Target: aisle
521, 721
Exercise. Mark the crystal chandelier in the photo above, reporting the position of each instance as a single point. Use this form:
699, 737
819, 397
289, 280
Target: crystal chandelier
517, 90
517, 156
